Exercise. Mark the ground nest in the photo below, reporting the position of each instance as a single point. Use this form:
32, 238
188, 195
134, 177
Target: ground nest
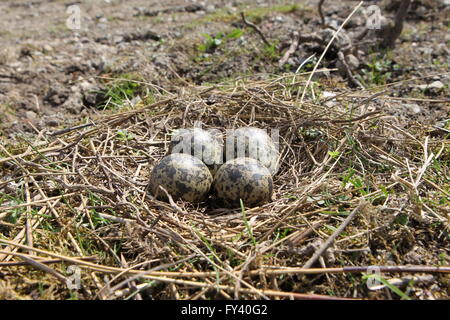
356, 188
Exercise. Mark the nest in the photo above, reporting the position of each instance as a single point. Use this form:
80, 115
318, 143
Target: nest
348, 174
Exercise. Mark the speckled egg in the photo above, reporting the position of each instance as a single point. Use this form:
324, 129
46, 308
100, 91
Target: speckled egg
243, 178
253, 143
183, 176
202, 144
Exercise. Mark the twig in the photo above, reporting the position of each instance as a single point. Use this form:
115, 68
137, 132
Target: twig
44, 268
319, 7
34, 203
348, 71
43, 261
81, 187
63, 131
392, 32
331, 239
292, 48
254, 27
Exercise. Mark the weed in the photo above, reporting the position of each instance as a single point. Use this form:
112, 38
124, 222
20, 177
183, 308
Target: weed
271, 52
212, 42
124, 135
282, 233
119, 91
393, 288
379, 71
247, 224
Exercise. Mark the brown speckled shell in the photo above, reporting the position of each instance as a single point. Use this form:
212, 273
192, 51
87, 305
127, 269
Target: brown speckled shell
252, 137
199, 143
183, 176
246, 179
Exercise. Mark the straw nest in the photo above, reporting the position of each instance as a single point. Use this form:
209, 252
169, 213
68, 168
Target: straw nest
349, 178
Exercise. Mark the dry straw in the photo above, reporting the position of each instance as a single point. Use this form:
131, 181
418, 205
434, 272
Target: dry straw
85, 194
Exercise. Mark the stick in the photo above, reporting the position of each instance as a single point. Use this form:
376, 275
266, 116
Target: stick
82, 261
319, 7
331, 239
44, 268
45, 261
293, 47
254, 27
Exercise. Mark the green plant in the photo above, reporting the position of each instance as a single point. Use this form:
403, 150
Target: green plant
379, 70
119, 90
271, 52
123, 135
247, 224
211, 42
334, 154
389, 285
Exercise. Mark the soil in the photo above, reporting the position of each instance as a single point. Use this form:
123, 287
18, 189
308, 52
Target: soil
49, 74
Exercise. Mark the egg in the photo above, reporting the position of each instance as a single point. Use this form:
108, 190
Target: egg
243, 178
253, 143
183, 176
202, 144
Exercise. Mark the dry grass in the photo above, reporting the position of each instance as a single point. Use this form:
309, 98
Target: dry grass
78, 197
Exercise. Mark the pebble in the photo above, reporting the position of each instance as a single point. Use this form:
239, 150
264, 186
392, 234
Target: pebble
52, 123
30, 115
352, 61
434, 85
210, 8
412, 107
47, 48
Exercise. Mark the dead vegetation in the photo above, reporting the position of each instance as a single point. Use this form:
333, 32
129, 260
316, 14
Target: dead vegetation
361, 184
355, 189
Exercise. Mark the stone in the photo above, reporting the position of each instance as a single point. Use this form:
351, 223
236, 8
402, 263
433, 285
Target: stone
434, 85
352, 61
412, 107
30, 115
52, 123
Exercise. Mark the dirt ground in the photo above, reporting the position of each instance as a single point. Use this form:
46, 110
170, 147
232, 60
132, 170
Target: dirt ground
54, 77
49, 73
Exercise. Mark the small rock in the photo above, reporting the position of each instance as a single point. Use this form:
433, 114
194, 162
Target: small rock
434, 85
210, 8
412, 107
47, 48
52, 123
327, 94
279, 19
177, 34
412, 257
352, 61
30, 115
421, 11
